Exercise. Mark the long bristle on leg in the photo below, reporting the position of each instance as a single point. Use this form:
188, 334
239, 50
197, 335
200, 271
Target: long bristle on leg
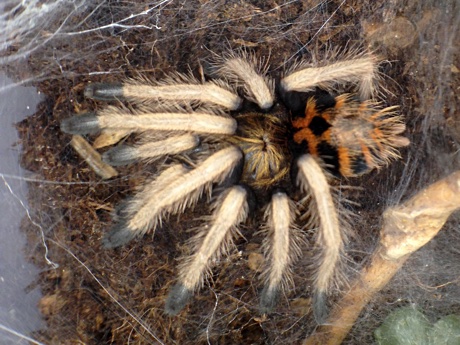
245, 70
329, 239
140, 121
113, 118
232, 210
281, 247
175, 88
361, 70
124, 154
171, 194
120, 234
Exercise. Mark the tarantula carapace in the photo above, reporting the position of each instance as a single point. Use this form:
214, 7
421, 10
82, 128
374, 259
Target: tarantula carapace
254, 139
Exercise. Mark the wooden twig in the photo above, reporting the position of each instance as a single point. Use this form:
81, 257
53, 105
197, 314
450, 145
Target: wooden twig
92, 157
406, 228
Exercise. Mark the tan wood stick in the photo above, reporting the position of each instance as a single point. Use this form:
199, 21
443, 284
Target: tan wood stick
406, 228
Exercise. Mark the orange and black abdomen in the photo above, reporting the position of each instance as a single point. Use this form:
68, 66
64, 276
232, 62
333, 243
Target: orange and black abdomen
343, 131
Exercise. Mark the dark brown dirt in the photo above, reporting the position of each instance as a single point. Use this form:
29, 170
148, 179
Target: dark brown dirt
101, 296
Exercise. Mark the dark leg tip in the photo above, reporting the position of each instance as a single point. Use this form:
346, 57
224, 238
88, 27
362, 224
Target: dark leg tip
120, 155
178, 298
104, 92
268, 300
80, 124
320, 309
117, 236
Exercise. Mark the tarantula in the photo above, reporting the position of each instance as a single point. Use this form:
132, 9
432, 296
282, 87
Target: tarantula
258, 140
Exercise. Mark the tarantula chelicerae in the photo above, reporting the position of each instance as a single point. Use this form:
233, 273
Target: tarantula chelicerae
259, 140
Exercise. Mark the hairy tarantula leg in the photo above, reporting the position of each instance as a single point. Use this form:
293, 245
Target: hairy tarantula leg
361, 70
124, 154
330, 239
119, 235
147, 208
114, 118
138, 91
232, 210
258, 89
281, 247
